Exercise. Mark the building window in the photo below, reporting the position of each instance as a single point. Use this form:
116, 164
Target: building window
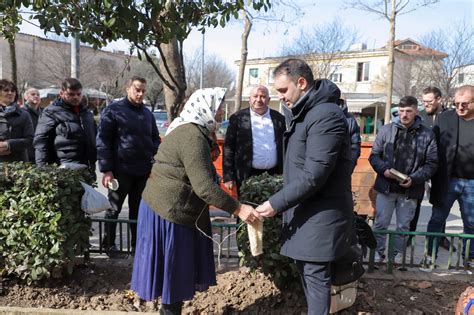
270, 75
460, 77
336, 75
253, 76
363, 71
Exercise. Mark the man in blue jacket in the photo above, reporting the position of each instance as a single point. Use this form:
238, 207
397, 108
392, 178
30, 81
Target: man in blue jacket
127, 141
316, 200
408, 147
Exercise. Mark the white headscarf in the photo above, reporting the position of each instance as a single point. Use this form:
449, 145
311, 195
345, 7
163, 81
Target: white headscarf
200, 109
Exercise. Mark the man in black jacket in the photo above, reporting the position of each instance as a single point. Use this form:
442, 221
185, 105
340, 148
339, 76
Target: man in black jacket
316, 200
404, 145
253, 141
454, 179
127, 142
32, 107
66, 131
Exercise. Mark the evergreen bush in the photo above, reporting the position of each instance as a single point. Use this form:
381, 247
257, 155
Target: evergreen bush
281, 269
42, 226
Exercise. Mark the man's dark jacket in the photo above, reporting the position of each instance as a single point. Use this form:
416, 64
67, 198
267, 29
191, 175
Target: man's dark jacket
423, 164
34, 115
64, 136
21, 134
316, 200
446, 130
354, 132
238, 145
128, 139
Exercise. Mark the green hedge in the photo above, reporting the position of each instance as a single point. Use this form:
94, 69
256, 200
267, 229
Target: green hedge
42, 227
281, 269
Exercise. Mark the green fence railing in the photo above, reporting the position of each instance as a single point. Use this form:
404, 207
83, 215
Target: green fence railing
412, 255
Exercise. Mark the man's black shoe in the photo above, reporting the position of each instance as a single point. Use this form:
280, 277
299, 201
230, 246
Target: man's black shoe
114, 253
445, 243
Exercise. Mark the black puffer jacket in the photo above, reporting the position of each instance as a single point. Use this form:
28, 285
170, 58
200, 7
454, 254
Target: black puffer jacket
63, 136
21, 133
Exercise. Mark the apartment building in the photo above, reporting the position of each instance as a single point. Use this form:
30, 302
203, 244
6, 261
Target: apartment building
360, 73
45, 62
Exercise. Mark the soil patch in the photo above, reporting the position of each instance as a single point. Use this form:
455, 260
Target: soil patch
104, 285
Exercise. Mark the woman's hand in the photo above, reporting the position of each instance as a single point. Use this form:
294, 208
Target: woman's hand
247, 213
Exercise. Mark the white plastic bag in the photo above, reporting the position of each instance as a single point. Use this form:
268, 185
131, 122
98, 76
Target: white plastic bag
93, 201
343, 296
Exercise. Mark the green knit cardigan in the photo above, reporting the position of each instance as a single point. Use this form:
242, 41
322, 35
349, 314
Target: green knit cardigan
181, 185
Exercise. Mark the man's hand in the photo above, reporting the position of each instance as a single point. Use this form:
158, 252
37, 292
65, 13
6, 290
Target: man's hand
247, 213
106, 178
229, 185
4, 148
406, 183
387, 174
266, 210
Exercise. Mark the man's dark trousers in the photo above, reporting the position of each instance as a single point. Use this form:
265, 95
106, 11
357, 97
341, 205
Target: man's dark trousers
132, 186
316, 280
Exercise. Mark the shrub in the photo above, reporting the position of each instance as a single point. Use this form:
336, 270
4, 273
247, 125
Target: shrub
42, 227
281, 269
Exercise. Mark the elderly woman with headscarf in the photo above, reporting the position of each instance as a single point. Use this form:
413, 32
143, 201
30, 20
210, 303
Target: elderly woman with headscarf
173, 257
16, 128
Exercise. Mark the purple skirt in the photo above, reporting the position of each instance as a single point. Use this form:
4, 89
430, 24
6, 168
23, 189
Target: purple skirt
171, 260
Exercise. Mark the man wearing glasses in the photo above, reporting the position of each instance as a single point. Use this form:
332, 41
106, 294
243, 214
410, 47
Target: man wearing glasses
432, 107
66, 130
454, 179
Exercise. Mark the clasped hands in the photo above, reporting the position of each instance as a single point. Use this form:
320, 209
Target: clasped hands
249, 215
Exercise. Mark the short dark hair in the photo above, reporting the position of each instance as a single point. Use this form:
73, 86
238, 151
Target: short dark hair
432, 89
407, 101
7, 84
295, 68
71, 84
135, 78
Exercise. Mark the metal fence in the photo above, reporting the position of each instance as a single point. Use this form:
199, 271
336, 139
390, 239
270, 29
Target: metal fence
412, 256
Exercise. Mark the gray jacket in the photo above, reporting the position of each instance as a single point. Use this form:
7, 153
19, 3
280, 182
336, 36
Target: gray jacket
424, 163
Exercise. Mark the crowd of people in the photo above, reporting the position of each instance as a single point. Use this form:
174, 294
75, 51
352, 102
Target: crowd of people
170, 180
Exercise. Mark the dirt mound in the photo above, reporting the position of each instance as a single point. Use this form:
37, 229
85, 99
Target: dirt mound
104, 285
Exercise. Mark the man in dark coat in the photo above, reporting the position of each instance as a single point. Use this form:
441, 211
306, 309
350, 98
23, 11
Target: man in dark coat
32, 107
404, 145
316, 200
253, 142
127, 142
16, 130
354, 132
454, 179
66, 131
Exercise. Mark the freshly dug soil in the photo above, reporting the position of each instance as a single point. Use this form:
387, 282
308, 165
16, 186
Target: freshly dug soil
104, 285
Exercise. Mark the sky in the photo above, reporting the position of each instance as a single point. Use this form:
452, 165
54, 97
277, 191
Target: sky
267, 41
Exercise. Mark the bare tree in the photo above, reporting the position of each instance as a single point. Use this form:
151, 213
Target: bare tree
216, 72
249, 16
389, 9
322, 45
456, 41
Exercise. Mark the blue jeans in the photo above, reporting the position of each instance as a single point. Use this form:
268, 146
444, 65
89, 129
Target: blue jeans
405, 211
461, 190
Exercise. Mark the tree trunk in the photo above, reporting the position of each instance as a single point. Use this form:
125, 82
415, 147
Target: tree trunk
243, 61
12, 46
172, 68
391, 63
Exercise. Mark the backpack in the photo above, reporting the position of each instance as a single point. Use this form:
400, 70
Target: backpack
5, 127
